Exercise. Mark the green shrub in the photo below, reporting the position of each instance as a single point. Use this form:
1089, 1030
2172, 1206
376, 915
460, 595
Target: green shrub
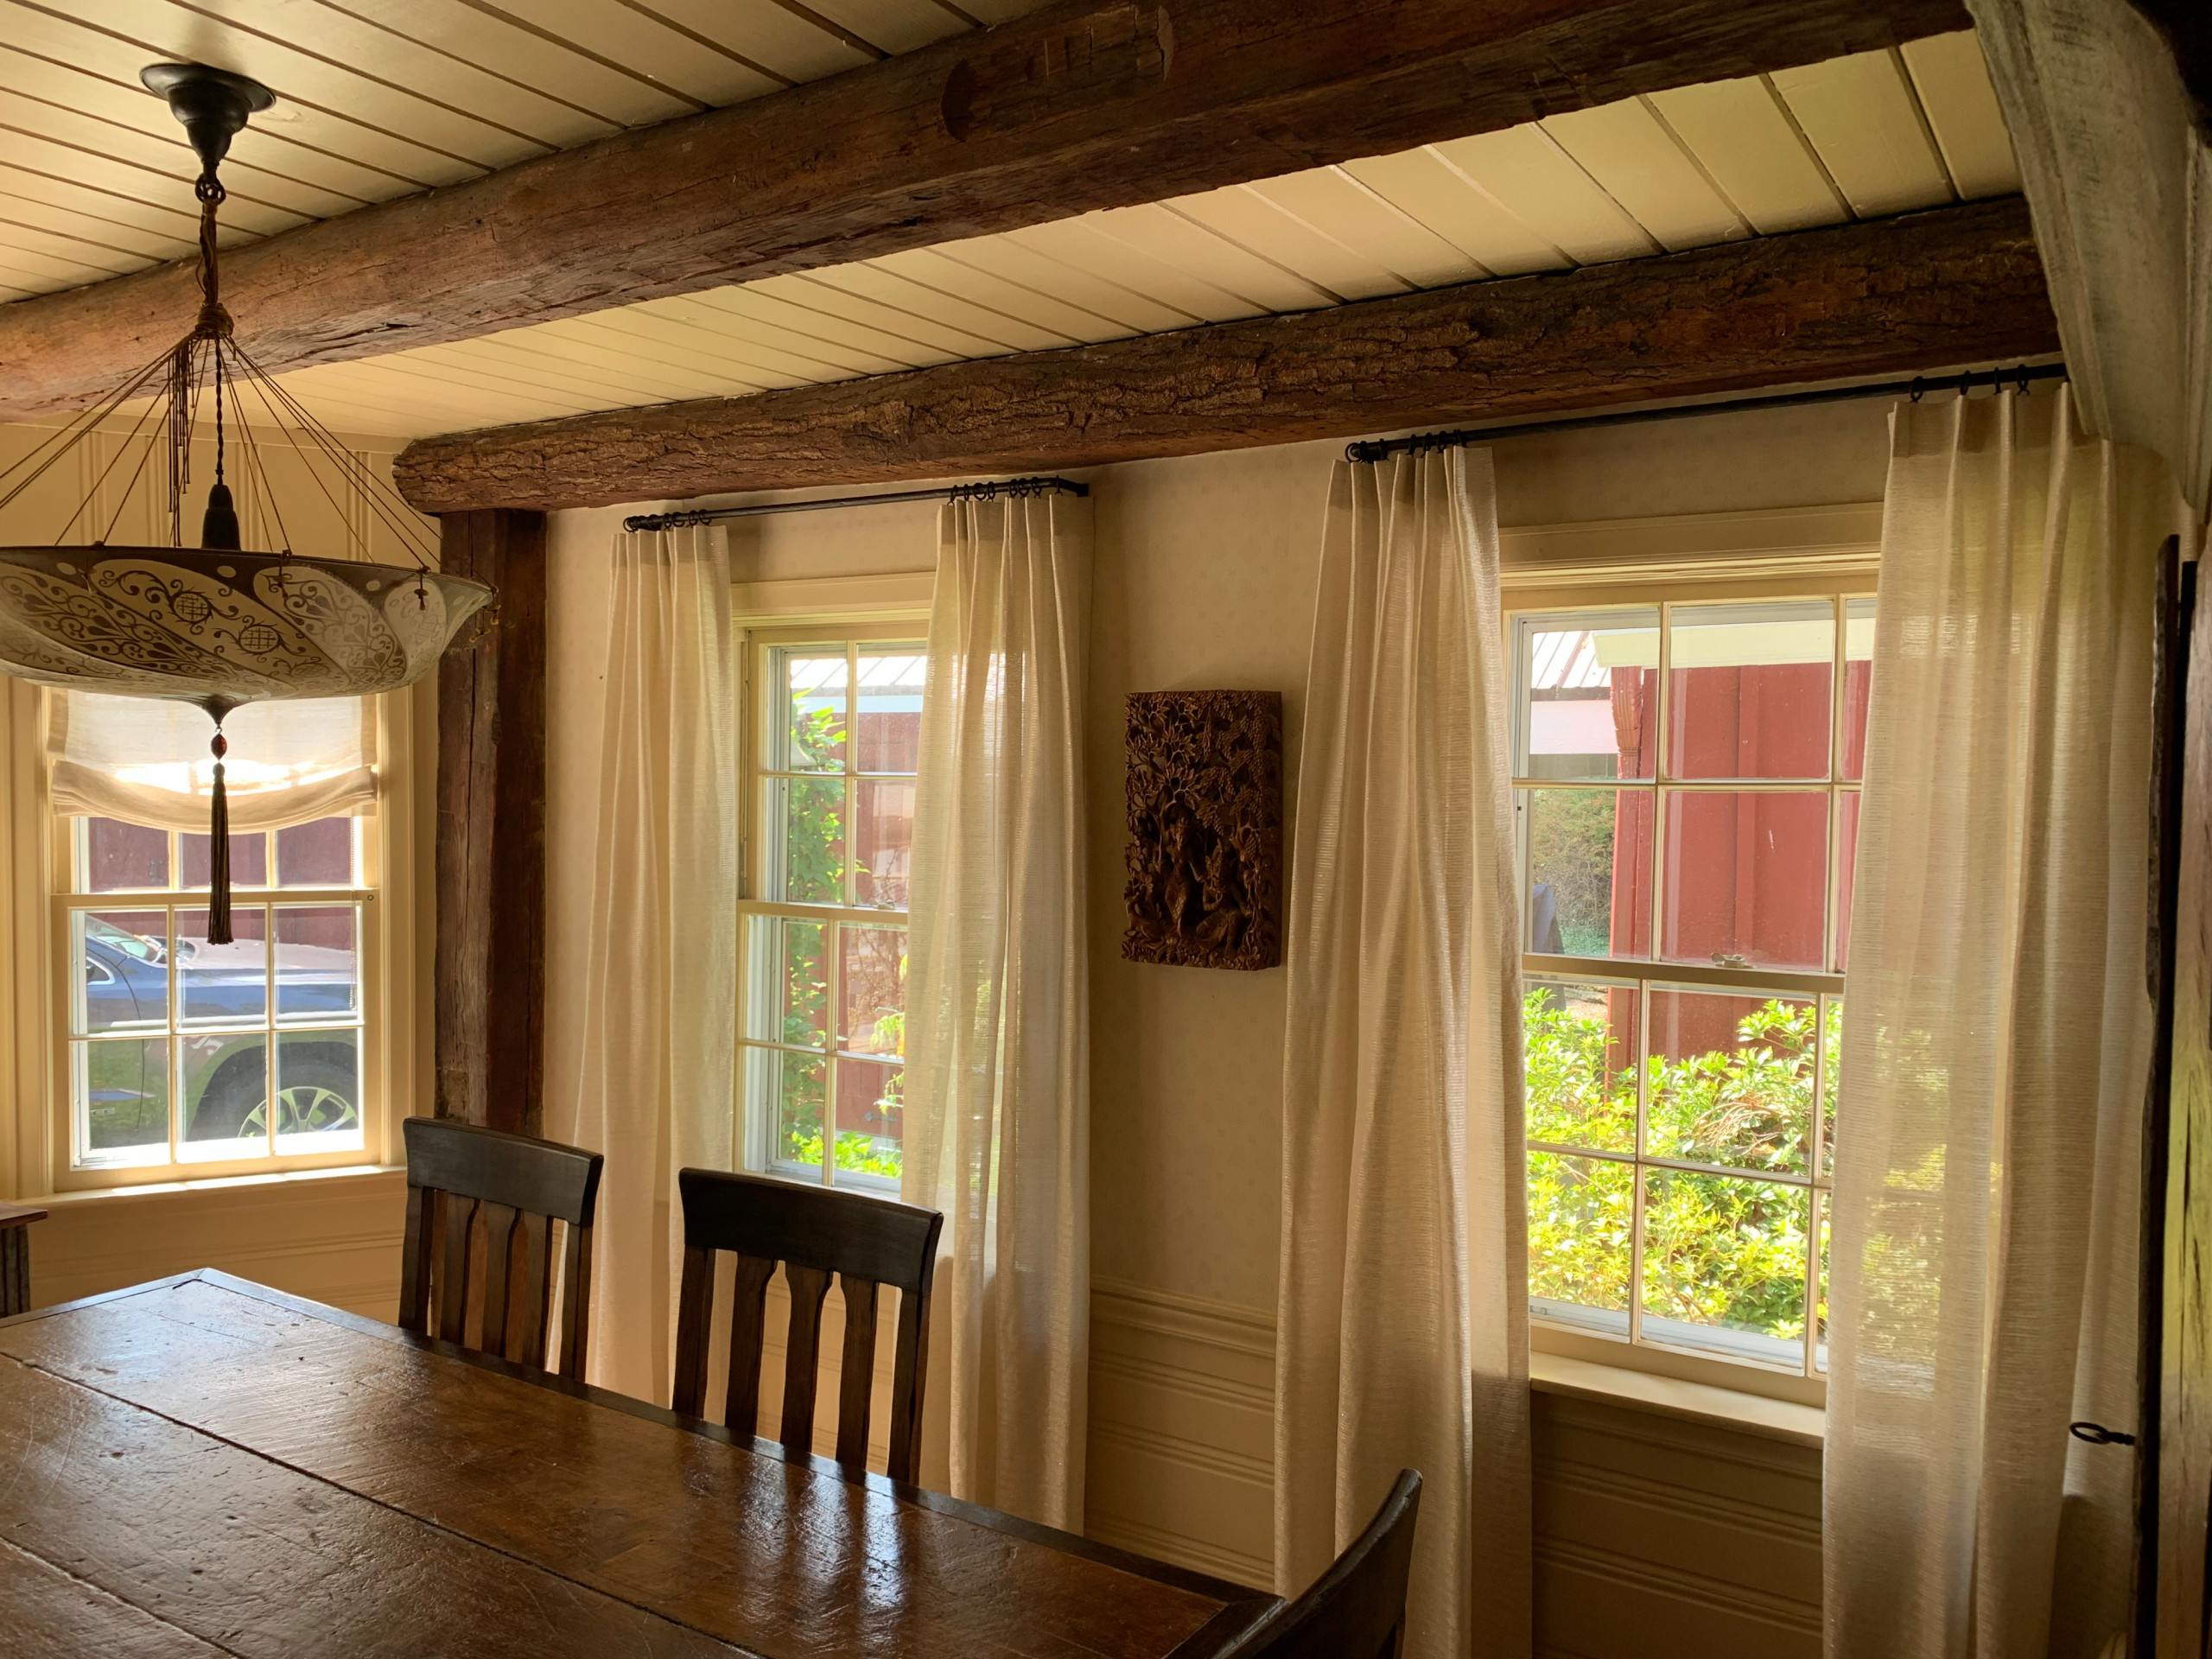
1718, 1249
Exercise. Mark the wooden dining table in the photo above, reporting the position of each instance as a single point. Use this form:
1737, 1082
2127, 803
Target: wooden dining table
202, 1465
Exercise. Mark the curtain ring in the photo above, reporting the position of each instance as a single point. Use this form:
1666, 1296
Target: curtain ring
1919, 390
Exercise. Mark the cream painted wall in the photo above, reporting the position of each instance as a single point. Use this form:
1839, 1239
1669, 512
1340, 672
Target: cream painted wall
1205, 576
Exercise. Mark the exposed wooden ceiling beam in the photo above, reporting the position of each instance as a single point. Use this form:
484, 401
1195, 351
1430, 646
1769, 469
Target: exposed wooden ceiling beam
1081, 105
1900, 296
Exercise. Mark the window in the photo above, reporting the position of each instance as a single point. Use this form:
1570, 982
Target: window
179, 1055
834, 733
1686, 796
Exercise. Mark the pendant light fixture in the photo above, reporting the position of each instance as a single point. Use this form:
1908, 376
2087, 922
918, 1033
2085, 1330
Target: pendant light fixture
217, 624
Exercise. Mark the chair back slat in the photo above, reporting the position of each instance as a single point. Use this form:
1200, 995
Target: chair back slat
748, 1340
855, 1369
476, 1265
809, 1287
813, 1233
1357, 1610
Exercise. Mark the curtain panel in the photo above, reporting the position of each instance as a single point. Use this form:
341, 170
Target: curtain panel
1996, 1048
996, 1120
646, 1074
145, 761
1402, 1324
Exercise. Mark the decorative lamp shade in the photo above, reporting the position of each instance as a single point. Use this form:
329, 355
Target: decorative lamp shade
219, 628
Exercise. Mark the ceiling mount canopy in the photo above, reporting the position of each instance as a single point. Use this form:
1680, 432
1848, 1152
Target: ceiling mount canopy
246, 615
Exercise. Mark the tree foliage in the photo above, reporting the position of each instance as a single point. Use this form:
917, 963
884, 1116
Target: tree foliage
1718, 1249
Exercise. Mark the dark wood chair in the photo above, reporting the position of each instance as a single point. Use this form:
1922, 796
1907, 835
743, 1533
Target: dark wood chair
1357, 1610
477, 1265
814, 1232
15, 1256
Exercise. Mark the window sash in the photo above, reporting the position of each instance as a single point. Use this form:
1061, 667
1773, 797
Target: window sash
761, 854
1658, 973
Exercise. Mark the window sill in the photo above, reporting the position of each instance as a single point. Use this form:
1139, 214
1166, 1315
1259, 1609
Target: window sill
1671, 1396
240, 1185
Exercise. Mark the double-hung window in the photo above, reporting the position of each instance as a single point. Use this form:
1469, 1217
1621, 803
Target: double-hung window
1687, 791
178, 1055
833, 735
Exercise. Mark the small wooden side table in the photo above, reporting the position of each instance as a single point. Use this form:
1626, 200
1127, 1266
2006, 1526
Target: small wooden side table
15, 1256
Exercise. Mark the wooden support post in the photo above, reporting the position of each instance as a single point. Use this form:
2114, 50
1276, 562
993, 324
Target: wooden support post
15, 1257
490, 960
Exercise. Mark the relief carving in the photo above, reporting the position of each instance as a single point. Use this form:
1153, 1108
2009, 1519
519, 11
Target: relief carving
1205, 828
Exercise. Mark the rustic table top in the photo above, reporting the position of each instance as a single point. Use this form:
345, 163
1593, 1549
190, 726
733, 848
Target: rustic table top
205, 1466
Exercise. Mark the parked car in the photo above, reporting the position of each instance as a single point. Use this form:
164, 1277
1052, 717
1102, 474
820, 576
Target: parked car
224, 1072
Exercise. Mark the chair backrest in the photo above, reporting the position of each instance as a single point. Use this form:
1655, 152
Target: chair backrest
814, 1232
477, 1265
1357, 1610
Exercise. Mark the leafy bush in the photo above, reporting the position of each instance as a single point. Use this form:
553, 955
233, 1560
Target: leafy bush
1718, 1249
814, 866
1571, 844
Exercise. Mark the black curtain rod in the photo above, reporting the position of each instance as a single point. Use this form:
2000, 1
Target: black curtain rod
2018, 378
1011, 486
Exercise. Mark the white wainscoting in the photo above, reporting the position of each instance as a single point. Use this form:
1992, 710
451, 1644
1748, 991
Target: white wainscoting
1656, 1535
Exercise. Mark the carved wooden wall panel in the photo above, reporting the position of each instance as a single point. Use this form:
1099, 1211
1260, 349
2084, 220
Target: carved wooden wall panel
1205, 828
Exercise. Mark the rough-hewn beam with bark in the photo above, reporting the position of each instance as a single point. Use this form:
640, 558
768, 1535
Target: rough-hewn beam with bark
1081, 105
1956, 285
490, 985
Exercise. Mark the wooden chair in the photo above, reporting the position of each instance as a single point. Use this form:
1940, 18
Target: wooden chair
16, 1221
1357, 1610
815, 1232
476, 1268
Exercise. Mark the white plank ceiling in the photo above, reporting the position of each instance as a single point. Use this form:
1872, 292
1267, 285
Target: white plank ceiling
92, 172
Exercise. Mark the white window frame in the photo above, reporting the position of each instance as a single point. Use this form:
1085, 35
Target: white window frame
1709, 581
396, 935
763, 707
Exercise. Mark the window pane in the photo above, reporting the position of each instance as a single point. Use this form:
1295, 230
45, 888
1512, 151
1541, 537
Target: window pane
813, 734
872, 971
1578, 1061
1858, 682
1746, 878
1748, 689
318, 854
1831, 1079
248, 860
1724, 1265
788, 1001
223, 984
1589, 871
122, 1100
807, 816
868, 1097
318, 962
318, 1091
123, 975
223, 1088
1732, 1080
118, 856
1587, 695
1847, 857
890, 714
1579, 1230
883, 835
786, 1090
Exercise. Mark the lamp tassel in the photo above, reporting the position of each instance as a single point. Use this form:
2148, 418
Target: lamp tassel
219, 850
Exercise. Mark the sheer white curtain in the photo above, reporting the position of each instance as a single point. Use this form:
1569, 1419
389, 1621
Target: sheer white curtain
997, 1116
645, 1073
1996, 1034
1402, 1326
2120, 182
